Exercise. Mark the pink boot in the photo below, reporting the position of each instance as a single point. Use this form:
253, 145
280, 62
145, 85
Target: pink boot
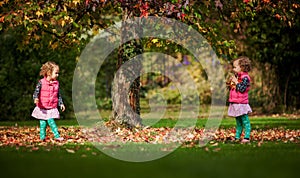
245, 141
59, 139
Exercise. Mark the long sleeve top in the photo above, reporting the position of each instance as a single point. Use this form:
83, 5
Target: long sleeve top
242, 86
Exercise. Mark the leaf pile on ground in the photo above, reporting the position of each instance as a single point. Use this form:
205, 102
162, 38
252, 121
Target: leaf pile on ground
24, 136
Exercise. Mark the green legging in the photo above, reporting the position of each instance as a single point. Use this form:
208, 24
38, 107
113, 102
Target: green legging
43, 125
242, 121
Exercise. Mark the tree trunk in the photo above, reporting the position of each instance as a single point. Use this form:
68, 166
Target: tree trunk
286, 90
126, 106
270, 88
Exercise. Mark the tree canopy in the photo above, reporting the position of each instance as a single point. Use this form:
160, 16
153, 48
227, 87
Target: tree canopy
265, 30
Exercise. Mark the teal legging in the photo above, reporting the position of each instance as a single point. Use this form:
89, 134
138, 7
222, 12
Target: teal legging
242, 121
43, 125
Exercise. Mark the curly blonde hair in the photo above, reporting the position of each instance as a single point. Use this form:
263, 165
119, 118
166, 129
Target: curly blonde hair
244, 63
47, 68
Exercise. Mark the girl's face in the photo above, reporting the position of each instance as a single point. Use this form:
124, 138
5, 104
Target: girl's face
54, 74
236, 67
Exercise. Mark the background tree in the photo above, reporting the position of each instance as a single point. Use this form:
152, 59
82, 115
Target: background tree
40, 30
267, 32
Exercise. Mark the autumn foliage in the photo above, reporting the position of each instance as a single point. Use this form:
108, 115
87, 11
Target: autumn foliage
29, 136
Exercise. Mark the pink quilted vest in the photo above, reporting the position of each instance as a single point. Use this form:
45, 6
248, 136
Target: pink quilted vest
48, 94
237, 97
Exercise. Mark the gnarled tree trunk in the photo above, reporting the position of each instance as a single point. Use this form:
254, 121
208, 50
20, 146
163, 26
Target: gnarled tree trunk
126, 106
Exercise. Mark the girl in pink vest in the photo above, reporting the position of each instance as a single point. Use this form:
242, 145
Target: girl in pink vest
47, 97
238, 97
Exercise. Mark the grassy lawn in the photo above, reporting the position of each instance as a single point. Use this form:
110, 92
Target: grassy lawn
231, 160
256, 122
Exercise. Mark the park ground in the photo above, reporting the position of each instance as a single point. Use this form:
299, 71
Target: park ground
273, 152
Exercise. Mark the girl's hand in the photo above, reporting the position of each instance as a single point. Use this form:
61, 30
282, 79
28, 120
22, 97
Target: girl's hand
36, 101
234, 79
62, 107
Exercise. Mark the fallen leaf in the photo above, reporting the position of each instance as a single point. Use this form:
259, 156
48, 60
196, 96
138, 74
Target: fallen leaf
206, 149
70, 151
215, 144
34, 148
216, 149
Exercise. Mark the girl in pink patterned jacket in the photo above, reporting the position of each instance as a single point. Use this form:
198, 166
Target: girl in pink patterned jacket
47, 97
238, 97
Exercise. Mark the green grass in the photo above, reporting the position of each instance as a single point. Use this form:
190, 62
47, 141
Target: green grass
256, 123
266, 122
69, 122
272, 159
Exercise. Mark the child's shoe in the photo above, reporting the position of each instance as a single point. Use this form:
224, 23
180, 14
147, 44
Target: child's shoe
59, 139
245, 141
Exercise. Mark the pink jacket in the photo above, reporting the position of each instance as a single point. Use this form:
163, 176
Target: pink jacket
48, 94
237, 97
